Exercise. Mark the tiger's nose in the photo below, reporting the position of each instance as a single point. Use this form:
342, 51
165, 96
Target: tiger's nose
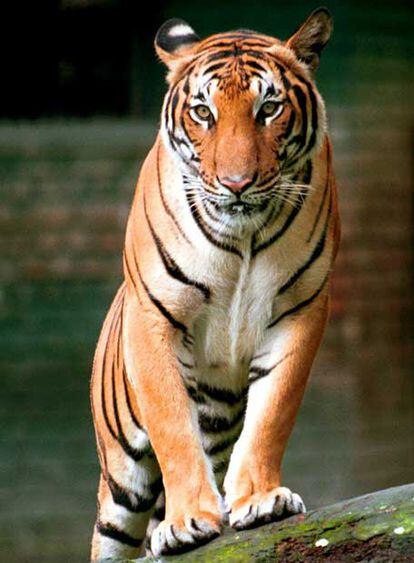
237, 184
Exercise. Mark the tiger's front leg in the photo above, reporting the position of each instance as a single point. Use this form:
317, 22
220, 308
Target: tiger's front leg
277, 380
193, 505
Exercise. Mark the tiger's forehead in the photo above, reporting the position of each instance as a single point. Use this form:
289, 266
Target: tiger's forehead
234, 74
243, 39
235, 62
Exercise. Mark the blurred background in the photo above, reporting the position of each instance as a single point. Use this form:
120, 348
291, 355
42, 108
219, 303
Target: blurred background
83, 92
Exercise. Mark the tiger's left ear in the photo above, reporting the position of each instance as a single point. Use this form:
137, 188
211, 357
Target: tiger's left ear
174, 42
309, 40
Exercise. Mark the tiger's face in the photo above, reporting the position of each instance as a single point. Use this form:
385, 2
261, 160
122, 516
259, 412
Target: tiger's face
242, 114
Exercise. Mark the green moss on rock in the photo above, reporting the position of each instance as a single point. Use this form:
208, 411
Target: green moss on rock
378, 527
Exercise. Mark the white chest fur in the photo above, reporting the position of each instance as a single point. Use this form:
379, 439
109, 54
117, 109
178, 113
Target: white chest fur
232, 327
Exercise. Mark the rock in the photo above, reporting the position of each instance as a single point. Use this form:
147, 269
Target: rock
377, 527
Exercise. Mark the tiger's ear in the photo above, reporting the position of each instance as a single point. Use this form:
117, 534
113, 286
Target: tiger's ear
174, 42
309, 40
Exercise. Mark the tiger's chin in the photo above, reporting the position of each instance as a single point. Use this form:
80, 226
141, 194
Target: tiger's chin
242, 209
242, 218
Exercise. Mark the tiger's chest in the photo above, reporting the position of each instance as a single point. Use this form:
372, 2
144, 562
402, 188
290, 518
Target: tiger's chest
233, 325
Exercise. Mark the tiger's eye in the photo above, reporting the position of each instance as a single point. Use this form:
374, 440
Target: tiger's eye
269, 108
203, 112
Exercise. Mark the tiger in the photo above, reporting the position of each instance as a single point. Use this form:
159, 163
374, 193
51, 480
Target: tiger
204, 355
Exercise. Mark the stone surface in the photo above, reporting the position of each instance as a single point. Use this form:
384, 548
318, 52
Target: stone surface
378, 527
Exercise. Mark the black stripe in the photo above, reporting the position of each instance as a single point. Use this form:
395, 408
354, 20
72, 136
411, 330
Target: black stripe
210, 214
257, 66
289, 127
164, 202
285, 80
167, 108
289, 220
215, 219
255, 73
176, 143
212, 46
174, 101
224, 54
300, 305
161, 308
159, 513
104, 363
307, 176
218, 423
221, 395
130, 500
261, 355
132, 452
278, 233
185, 364
156, 487
322, 203
129, 271
313, 102
262, 372
110, 531
207, 230
124, 379
250, 44
189, 337
220, 446
128, 400
270, 219
194, 395
317, 251
213, 67
186, 85
249, 38
186, 344
259, 373
314, 122
193, 143
170, 264
255, 54
301, 99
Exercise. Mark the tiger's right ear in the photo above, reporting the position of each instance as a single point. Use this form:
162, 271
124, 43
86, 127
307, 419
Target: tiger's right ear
174, 42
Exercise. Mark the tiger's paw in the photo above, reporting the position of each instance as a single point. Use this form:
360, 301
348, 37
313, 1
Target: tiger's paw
261, 508
178, 536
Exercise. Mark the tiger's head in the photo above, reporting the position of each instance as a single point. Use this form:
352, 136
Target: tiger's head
242, 113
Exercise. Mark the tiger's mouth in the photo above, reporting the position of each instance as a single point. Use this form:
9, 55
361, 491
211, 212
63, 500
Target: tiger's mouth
242, 208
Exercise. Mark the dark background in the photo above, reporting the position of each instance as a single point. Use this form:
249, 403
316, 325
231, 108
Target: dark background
82, 91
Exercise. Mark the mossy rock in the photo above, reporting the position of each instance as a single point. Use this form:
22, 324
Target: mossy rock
378, 527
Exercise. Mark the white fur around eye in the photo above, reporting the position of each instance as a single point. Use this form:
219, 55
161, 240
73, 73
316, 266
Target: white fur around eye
276, 114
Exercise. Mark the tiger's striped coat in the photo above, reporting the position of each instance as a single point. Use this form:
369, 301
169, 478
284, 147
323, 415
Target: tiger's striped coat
205, 353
